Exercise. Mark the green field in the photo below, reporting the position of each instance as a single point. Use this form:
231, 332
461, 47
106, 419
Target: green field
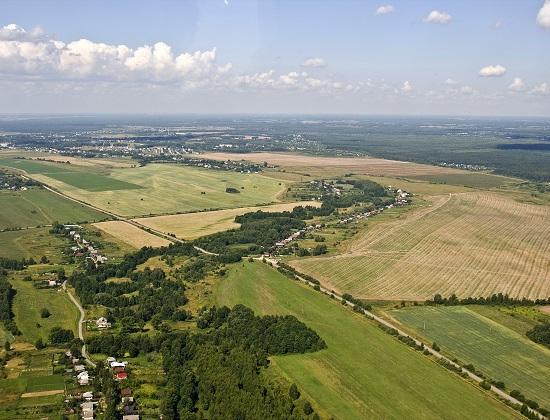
364, 373
171, 189
34, 243
85, 178
27, 305
496, 350
38, 206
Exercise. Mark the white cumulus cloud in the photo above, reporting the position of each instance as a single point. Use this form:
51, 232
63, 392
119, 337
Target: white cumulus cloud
385, 9
543, 16
517, 84
314, 62
450, 82
435, 16
542, 89
25, 53
407, 87
492, 71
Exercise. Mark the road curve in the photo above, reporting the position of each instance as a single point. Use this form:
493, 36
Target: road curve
80, 323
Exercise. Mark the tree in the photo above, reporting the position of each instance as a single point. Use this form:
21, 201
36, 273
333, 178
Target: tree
39, 344
59, 335
293, 392
44, 260
436, 347
308, 409
44, 313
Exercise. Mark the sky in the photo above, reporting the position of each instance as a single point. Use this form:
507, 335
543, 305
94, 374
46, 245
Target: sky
482, 57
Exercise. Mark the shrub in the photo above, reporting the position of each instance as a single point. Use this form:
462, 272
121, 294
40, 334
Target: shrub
44, 313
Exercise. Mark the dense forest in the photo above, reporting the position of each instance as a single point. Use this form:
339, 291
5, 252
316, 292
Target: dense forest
217, 372
7, 293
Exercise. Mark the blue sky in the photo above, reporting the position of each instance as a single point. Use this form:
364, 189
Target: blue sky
252, 56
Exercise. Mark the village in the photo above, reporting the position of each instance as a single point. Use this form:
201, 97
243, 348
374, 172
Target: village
82, 247
87, 402
402, 198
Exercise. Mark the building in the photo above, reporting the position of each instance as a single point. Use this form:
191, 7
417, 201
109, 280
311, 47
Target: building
120, 376
83, 378
102, 323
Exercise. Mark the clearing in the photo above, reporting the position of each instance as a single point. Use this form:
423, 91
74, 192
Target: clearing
194, 225
364, 372
130, 234
31, 243
28, 303
497, 351
470, 244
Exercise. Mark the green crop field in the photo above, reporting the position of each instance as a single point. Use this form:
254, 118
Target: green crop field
38, 206
171, 189
85, 178
364, 373
497, 351
31, 243
28, 303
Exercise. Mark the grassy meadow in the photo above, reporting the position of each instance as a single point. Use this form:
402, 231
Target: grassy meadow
37, 206
470, 244
85, 178
28, 303
496, 350
165, 189
364, 372
31, 243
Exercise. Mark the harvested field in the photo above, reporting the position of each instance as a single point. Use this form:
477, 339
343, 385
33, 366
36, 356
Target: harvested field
471, 244
362, 165
194, 225
42, 393
131, 234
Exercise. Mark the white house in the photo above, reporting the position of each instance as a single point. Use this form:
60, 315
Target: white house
102, 323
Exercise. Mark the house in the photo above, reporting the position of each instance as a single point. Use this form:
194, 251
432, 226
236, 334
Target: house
118, 369
87, 410
88, 396
120, 376
125, 392
115, 364
83, 378
79, 368
52, 283
110, 360
102, 323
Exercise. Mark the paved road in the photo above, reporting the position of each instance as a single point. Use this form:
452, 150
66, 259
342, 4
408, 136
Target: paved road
437, 354
80, 323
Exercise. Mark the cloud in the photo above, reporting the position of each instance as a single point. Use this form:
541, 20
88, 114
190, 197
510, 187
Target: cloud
407, 87
435, 16
32, 54
517, 84
13, 32
542, 89
384, 10
450, 82
468, 90
314, 62
492, 71
543, 17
